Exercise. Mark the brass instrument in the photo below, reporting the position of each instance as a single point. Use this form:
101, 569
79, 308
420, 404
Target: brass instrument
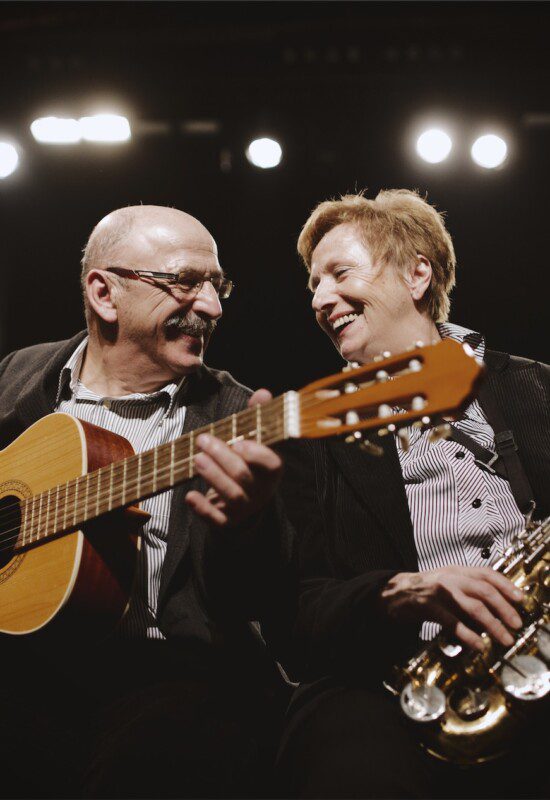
468, 704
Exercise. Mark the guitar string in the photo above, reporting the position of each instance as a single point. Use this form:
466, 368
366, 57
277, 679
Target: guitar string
227, 423
182, 463
306, 404
223, 427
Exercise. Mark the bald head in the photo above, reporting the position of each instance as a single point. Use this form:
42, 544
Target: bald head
120, 233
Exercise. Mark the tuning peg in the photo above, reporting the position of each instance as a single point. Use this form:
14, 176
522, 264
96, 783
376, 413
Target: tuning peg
404, 440
418, 403
352, 418
371, 448
356, 436
386, 354
439, 432
350, 387
350, 365
327, 394
384, 410
382, 376
419, 343
415, 365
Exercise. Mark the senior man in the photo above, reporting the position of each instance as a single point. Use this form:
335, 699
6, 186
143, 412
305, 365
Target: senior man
183, 698
395, 546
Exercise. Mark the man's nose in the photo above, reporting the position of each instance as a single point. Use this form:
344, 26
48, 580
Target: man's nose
208, 301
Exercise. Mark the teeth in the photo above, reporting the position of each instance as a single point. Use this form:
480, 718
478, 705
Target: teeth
343, 320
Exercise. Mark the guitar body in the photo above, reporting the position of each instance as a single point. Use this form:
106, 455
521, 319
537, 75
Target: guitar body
81, 579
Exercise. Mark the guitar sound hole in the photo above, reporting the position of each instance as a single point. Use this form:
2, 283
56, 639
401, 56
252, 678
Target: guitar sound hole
10, 524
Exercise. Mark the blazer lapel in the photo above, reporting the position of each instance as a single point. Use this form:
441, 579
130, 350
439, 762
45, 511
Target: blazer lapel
38, 400
378, 484
203, 407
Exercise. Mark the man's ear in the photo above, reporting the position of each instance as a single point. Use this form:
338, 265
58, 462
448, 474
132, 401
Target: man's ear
419, 277
99, 290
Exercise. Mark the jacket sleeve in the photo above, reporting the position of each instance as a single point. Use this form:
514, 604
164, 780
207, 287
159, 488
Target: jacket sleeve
338, 628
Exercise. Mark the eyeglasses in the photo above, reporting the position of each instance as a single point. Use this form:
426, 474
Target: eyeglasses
188, 282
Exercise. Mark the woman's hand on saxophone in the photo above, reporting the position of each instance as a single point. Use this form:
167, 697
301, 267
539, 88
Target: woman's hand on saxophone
463, 600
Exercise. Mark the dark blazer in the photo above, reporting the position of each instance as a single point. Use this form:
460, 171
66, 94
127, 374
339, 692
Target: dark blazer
214, 583
351, 515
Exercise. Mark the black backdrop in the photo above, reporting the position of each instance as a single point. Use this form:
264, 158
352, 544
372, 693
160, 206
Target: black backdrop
343, 86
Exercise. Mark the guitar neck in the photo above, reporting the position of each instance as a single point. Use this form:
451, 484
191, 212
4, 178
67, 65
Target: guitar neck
123, 483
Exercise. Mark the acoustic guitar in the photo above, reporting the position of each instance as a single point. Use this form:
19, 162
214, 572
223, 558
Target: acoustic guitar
69, 490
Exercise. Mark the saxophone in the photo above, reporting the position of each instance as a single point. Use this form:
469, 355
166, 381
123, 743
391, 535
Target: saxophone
467, 705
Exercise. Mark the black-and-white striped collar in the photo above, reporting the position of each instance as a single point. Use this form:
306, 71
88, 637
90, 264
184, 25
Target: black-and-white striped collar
70, 378
449, 330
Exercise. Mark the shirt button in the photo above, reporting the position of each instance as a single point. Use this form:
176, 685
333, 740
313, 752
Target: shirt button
476, 503
107, 403
486, 552
460, 454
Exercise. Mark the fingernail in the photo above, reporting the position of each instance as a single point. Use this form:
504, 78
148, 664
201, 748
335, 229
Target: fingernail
518, 595
203, 439
508, 639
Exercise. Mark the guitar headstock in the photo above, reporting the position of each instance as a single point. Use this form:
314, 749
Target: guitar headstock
425, 383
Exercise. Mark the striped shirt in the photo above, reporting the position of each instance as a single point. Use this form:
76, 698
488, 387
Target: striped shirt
461, 513
145, 420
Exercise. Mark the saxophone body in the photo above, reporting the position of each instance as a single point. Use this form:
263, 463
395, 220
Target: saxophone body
466, 705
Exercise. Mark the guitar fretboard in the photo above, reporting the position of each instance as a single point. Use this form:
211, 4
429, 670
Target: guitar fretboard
70, 505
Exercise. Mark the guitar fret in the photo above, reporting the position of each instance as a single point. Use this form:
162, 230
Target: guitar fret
32, 518
259, 424
138, 480
23, 531
191, 455
39, 523
75, 501
124, 471
65, 504
98, 486
56, 507
86, 491
110, 498
46, 524
172, 451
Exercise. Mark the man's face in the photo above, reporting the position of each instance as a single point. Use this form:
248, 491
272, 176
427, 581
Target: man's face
169, 329
363, 307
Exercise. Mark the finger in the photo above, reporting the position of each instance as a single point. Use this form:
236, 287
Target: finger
503, 584
258, 456
226, 458
490, 595
204, 508
484, 620
456, 628
260, 398
228, 489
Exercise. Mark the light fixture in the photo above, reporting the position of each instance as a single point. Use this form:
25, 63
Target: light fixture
489, 151
56, 130
9, 159
434, 145
105, 128
264, 153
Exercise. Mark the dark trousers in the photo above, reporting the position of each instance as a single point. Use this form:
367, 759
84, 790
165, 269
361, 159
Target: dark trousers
352, 742
133, 720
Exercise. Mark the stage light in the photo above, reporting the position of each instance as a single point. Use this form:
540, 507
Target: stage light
105, 128
56, 130
434, 145
264, 153
9, 159
489, 151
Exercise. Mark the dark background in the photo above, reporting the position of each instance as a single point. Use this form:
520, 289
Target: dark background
344, 86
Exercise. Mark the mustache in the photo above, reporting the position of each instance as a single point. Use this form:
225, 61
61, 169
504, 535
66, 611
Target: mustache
190, 324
